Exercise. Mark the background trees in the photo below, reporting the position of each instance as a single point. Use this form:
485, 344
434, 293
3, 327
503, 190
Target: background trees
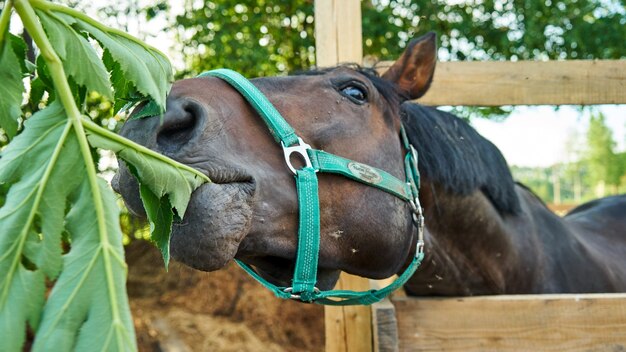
269, 37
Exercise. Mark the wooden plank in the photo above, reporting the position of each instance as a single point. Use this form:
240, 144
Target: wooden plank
349, 328
349, 37
325, 33
496, 83
384, 327
338, 39
589, 322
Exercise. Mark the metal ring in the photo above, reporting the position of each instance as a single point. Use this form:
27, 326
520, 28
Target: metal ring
295, 296
301, 149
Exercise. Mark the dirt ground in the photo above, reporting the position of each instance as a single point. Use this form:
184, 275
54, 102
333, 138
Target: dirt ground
188, 310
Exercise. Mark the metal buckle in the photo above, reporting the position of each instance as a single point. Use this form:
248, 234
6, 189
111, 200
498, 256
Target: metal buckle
418, 220
300, 148
294, 296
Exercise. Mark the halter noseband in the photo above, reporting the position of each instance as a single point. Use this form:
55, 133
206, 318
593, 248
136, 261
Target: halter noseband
305, 272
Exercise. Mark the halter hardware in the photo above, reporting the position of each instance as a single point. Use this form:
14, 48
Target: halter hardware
300, 149
305, 273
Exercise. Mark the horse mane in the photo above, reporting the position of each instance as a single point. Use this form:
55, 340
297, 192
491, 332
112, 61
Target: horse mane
451, 152
454, 155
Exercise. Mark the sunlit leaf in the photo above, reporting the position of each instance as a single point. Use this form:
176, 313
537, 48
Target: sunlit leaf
80, 60
11, 88
162, 178
147, 69
44, 168
88, 309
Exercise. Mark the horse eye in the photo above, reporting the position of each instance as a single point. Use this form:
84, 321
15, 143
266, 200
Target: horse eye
355, 93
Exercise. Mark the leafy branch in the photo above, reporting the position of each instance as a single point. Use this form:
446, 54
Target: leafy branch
56, 200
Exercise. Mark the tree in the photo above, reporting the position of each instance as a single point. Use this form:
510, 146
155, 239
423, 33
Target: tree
252, 37
604, 164
262, 38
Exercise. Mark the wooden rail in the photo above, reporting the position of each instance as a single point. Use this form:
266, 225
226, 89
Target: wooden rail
575, 322
497, 83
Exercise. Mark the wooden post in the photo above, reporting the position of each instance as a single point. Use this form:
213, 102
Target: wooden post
338, 39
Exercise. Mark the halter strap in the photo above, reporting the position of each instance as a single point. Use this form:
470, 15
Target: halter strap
305, 272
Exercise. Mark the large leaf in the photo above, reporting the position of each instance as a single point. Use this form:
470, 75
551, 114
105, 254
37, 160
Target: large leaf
88, 309
11, 88
147, 69
55, 200
163, 178
44, 167
80, 60
164, 186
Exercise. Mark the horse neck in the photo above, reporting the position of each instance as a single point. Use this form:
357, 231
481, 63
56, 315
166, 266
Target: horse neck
471, 248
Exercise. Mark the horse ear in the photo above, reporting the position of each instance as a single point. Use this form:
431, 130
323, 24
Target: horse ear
413, 71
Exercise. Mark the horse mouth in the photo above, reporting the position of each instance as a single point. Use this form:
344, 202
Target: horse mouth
217, 219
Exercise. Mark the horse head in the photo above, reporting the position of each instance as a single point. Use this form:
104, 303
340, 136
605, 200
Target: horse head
250, 211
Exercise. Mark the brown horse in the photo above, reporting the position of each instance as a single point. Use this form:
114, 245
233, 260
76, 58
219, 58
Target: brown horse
485, 234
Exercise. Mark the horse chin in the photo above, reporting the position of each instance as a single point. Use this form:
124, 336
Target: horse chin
279, 271
216, 221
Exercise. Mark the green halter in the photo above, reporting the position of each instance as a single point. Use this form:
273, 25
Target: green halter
305, 272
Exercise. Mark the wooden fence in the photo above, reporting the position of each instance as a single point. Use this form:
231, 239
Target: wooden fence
503, 323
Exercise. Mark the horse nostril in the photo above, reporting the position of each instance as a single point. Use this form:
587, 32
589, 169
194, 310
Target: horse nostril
179, 124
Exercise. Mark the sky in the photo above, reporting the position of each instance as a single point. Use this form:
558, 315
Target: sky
537, 136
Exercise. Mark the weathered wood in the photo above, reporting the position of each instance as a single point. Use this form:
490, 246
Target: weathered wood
496, 83
349, 328
589, 322
338, 39
384, 327
325, 33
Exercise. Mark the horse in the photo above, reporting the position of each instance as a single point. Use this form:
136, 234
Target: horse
484, 233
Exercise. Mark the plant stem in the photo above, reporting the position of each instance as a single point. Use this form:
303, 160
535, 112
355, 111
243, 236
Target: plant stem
5, 18
64, 94
99, 130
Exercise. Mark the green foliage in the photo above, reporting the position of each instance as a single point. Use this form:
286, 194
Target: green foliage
593, 164
60, 221
69, 43
260, 38
163, 186
264, 38
494, 29
253, 37
11, 89
604, 165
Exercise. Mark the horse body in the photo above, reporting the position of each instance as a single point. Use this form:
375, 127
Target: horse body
484, 233
488, 235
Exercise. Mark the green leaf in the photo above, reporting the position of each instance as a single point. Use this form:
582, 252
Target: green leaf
11, 88
147, 69
37, 89
88, 309
80, 60
123, 89
162, 178
150, 108
19, 47
44, 167
160, 216
164, 185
